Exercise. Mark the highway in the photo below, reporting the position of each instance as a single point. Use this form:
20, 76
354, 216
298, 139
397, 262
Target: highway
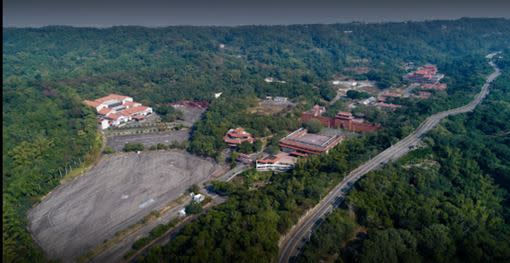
291, 242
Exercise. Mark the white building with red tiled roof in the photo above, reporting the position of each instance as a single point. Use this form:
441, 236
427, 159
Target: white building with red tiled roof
237, 136
116, 109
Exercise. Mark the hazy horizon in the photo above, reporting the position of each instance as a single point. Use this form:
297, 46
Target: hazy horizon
158, 13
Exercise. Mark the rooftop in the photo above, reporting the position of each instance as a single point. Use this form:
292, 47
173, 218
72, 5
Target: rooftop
303, 138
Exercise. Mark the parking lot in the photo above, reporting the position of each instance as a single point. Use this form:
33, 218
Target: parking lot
118, 192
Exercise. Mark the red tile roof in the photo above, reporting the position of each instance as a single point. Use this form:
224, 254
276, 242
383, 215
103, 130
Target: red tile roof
111, 96
134, 110
132, 103
104, 111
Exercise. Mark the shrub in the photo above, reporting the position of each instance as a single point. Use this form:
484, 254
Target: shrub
133, 147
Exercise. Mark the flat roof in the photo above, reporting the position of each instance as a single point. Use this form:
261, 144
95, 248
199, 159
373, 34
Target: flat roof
301, 138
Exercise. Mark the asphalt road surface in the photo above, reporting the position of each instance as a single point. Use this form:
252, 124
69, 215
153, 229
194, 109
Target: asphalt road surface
118, 192
299, 233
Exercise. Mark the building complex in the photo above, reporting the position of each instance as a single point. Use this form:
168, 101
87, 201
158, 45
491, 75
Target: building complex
115, 110
342, 120
425, 74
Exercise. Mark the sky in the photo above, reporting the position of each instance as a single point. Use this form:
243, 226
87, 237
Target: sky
104, 13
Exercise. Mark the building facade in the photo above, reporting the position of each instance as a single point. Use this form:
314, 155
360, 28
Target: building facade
343, 120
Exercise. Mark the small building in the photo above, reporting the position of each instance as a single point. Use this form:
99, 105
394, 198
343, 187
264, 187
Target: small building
198, 198
281, 162
368, 101
302, 143
237, 136
182, 212
280, 99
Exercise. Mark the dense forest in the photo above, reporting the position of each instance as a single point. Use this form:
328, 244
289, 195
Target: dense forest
48, 71
446, 202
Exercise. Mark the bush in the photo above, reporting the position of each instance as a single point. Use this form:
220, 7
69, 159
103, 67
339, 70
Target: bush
356, 95
246, 147
108, 150
133, 147
313, 126
193, 208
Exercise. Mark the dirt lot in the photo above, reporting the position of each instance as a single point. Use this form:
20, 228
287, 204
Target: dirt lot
115, 194
118, 142
190, 114
267, 107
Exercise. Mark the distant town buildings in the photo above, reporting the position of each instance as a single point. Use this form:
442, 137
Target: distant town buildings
423, 94
425, 74
343, 120
116, 109
302, 143
237, 136
436, 86
277, 99
281, 162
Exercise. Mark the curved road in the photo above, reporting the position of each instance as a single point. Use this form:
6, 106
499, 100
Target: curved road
299, 233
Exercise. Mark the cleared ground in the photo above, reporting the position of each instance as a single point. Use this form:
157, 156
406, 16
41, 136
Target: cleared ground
115, 194
118, 142
267, 107
190, 114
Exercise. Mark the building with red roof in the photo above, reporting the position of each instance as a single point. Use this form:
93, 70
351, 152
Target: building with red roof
343, 120
425, 74
237, 136
281, 162
116, 109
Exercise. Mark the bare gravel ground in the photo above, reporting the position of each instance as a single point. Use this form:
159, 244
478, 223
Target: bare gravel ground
115, 194
149, 139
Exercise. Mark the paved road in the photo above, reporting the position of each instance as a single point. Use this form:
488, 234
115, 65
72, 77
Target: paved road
299, 233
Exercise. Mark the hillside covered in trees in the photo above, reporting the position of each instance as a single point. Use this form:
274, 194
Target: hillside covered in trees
446, 202
48, 71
